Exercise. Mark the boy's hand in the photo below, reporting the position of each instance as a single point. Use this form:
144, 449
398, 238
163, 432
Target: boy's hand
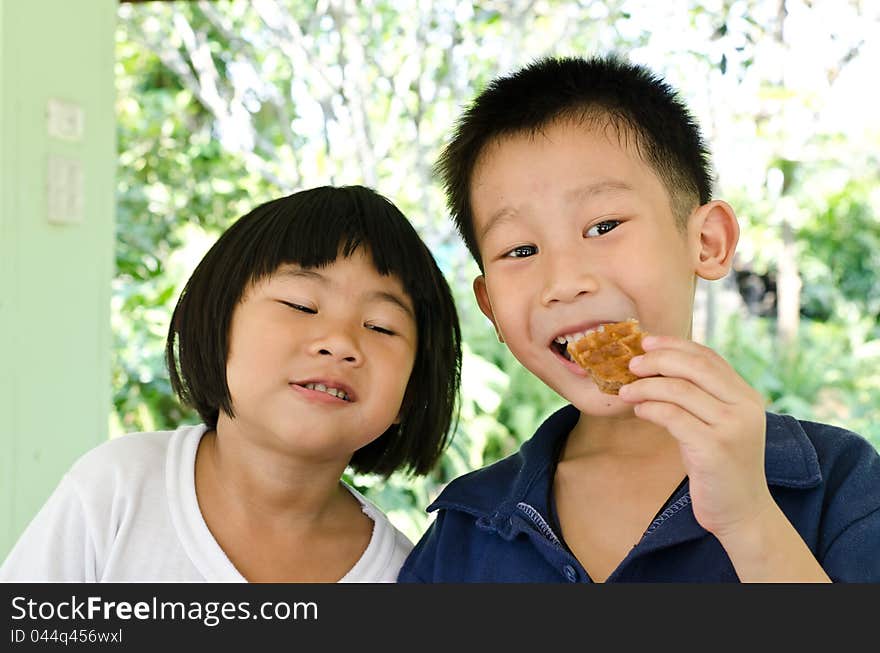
719, 422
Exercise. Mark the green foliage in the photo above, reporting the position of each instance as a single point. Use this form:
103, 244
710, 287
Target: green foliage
829, 375
224, 105
842, 255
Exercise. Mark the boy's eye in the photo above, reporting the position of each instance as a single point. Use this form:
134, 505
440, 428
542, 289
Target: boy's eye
379, 329
601, 228
300, 307
522, 251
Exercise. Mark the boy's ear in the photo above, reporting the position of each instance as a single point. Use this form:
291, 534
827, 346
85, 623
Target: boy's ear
714, 232
483, 302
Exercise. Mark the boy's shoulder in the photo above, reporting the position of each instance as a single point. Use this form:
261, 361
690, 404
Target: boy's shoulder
814, 453
827, 480
508, 480
479, 492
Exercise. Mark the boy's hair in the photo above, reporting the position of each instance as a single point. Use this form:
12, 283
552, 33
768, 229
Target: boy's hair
312, 228
597, 92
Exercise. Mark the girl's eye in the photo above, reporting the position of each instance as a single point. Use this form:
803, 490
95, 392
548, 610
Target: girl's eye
601, 228
300, 307
379, 329
522, 251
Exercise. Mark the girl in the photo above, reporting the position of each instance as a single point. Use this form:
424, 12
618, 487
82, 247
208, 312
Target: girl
316, 334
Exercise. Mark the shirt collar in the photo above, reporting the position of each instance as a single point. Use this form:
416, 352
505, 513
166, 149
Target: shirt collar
790, 461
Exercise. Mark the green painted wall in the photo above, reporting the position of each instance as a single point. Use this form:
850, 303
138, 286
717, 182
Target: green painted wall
54, 278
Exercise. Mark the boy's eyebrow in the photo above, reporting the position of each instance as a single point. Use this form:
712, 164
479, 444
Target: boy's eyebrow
597, 188
498, 218
587, 191
372, 296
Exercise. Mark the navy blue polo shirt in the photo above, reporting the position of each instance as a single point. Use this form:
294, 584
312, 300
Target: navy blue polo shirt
494, 524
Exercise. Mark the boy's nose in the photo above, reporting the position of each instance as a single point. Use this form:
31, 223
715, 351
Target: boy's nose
566, 277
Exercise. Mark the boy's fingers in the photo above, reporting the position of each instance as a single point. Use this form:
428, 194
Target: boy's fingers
676, 391
681, 424
702, 367
650, 343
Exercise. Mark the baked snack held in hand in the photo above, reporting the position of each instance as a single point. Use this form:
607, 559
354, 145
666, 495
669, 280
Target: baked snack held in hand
605, 353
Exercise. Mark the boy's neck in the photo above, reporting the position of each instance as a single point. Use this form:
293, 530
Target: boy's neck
626, 436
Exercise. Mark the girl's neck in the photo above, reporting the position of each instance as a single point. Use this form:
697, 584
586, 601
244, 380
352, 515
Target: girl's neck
277, 519
260, 483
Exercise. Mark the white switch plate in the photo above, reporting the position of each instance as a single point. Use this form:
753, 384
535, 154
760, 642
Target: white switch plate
65, 120
65, 190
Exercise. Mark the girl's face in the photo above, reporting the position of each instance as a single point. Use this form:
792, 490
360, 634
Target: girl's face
319, 359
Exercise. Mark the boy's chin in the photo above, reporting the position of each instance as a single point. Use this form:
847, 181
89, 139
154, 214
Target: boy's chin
599, 404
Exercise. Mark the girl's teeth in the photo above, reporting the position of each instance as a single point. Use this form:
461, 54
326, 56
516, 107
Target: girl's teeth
320, 387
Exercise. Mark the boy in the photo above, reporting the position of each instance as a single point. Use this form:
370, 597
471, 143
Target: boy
582, 189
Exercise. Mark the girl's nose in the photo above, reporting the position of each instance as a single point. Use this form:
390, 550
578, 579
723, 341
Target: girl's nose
338, 345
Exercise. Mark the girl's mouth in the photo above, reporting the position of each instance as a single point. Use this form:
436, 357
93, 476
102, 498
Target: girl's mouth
320, 387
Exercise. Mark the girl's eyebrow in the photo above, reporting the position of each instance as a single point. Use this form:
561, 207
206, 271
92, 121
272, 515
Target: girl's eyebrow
301, 273
372, 296
392, 298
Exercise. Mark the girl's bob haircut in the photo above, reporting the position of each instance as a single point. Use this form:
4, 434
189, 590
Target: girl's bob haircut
312, 228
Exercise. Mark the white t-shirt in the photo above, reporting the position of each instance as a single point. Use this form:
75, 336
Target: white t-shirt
127, 512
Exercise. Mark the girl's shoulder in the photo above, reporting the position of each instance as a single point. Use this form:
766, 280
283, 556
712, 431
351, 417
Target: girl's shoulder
386, 551
130, 456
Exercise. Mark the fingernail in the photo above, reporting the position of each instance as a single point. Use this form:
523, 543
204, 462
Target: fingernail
648, 341
635, 361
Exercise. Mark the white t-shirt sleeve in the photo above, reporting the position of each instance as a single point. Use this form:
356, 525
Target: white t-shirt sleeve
57, 546
388, 548
127, 511
84, 532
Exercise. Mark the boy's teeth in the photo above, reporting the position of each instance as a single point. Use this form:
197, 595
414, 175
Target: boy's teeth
574, 337
571, 337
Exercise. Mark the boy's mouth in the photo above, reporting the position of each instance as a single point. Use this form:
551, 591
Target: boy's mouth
561, 349
560, 343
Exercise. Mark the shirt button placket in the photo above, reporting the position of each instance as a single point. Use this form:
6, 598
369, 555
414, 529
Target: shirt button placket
570, 573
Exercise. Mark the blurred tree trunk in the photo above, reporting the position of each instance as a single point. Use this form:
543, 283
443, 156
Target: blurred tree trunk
788, 289
788, 281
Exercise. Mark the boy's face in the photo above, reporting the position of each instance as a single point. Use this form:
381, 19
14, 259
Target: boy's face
575, 230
